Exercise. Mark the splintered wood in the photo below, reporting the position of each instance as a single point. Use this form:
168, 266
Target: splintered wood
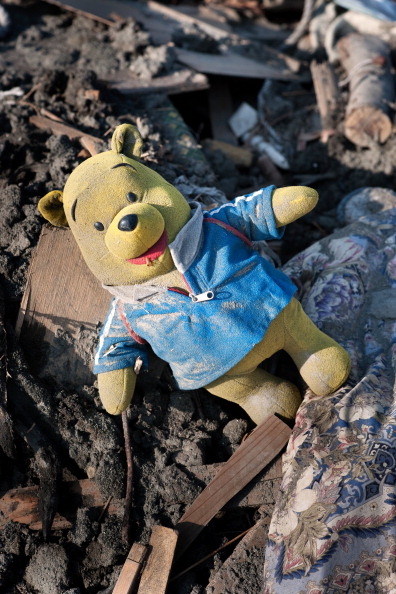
131, 570
155, 576
158, 559
93, 144
256, 452
21, 505
61, 309
262, 445
327, 95
366, 60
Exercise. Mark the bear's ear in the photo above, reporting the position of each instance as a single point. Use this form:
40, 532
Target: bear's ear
51, 207
126, 139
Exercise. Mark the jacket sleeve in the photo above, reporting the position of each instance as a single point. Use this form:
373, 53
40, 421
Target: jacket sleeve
252, 215
118, 346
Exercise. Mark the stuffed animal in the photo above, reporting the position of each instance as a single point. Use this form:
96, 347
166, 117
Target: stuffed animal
189, 284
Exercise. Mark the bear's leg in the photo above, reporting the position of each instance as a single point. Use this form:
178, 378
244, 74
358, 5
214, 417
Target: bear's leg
323, 363
259, 393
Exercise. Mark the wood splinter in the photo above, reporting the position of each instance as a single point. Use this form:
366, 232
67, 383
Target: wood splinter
366, 60
131, 569
155, 560
327, 96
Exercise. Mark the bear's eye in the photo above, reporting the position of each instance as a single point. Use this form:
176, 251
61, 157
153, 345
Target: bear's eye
131, 197
99, 226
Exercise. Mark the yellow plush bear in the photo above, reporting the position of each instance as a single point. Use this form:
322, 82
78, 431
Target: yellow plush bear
190, 284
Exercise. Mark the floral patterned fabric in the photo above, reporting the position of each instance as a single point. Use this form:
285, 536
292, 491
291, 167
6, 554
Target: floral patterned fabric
334, 525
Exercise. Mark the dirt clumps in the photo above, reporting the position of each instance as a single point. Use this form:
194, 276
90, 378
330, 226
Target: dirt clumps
55, 62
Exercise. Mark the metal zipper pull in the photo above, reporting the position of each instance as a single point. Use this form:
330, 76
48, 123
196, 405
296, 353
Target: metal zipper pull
207, 296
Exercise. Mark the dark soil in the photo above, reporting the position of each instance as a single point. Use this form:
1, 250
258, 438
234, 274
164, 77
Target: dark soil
49, 60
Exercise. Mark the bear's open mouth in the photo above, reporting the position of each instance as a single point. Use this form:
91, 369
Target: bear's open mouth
152, 253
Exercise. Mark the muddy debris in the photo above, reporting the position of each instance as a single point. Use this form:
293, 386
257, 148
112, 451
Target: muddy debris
55, 63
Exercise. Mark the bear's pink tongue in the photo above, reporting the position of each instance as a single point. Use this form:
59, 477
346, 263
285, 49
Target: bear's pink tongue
152, 253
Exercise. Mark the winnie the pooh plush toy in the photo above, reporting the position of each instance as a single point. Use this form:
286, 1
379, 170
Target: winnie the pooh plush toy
189, 284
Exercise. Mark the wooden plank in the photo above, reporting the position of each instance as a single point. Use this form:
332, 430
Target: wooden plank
131, 569
233, 64
182, 81
260, 489
59, 128
100, 11
217, 31
155, 576
327, 95
158, 19
262, 445
21, 505
204, 15
61, 309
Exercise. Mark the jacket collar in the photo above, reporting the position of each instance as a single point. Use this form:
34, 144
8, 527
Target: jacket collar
184, 247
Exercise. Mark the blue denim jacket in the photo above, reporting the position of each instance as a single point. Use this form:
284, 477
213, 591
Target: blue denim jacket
232, 295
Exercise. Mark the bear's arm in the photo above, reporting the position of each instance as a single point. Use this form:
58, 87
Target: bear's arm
264, 213
252, 215
116, 389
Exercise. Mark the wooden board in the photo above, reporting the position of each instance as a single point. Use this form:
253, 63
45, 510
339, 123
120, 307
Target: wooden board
260, 490
159, 20
262, 445
21, 505
102, 11
233, 64
155, 576
181, 81
60, 128
131, 569
61, 309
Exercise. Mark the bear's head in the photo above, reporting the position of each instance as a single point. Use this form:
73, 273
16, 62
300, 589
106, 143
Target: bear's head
122, 214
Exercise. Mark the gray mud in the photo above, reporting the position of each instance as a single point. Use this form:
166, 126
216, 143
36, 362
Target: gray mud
52, 59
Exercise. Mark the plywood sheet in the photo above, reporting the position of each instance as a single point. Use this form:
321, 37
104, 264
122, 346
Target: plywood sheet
62, 308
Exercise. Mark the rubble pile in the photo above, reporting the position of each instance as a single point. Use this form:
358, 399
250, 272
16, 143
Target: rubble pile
228, 97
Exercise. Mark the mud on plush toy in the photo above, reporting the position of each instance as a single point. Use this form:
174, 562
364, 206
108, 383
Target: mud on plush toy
189, 284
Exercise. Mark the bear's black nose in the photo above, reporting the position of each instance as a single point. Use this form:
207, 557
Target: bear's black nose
128, 223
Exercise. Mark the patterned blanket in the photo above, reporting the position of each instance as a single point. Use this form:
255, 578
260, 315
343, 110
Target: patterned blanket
334, 526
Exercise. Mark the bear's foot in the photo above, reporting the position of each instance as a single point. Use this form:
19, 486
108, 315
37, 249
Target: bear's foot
327, 369
322, 362
259, 393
